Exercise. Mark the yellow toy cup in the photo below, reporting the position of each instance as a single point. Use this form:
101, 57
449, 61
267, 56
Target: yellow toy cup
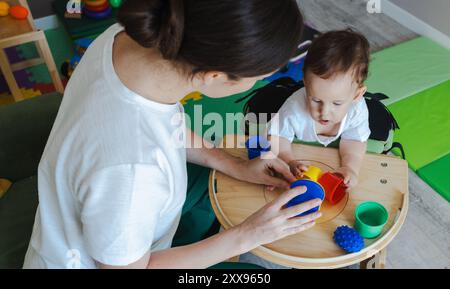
313, 173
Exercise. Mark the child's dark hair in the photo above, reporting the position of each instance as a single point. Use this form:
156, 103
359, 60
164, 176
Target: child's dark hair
337, 52
240, 38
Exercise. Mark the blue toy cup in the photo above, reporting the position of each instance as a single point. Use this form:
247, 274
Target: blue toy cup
313, 191
256, 145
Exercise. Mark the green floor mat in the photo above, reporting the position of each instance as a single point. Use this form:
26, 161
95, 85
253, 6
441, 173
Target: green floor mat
408, 68
424, 125
212, 111
436, 175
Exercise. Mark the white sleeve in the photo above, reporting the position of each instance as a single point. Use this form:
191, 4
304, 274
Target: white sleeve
120, 208
358, 128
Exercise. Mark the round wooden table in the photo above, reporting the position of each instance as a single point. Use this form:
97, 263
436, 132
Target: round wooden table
383, 179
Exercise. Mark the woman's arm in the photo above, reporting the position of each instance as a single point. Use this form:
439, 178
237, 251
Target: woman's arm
259, 171
270, 223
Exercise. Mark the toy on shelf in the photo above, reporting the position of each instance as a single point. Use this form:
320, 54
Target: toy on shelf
348, 239
4, 8
334, 187
97, 9
81, 45
256, 145
313, 191
370, 218
115, 3
18, 12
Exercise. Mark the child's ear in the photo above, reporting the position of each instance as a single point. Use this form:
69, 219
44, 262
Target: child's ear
360, 93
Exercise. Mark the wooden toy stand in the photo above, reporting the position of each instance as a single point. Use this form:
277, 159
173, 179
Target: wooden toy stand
15, 32
383, 179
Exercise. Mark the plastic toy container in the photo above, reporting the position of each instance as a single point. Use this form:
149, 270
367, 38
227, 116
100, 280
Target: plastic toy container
313, 191
370, 218
313, 173
334, 186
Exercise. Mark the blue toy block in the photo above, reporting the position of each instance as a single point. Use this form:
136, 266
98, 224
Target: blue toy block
256, 145
348, 239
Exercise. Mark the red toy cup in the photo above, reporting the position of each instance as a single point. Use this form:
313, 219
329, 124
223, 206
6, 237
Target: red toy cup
334, 186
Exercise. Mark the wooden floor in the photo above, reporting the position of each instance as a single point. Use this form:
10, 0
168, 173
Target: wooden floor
424, 240
381, 30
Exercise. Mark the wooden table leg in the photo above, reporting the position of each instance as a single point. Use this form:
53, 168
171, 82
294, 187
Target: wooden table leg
46, 54
382, 259
9, 76
378, 261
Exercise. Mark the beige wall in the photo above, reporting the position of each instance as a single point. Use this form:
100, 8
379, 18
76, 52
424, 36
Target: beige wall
436, 13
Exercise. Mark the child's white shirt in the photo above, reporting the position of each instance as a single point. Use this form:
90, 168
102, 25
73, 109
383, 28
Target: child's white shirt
294, 121
112, 180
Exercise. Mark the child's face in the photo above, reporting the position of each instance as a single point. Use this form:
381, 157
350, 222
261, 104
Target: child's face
330, 99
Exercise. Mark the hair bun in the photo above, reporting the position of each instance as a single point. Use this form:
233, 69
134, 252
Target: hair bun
155, 23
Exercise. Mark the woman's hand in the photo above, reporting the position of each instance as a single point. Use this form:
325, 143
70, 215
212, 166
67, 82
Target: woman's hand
273, 222
269, 170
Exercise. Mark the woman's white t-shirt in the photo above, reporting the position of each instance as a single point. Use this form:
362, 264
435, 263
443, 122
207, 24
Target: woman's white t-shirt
112, 180
293, 121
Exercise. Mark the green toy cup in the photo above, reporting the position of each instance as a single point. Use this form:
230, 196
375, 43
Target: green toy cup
370, 218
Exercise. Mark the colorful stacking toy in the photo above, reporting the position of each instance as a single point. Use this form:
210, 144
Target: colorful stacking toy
370, 218
313, 189
97, 9
334, 187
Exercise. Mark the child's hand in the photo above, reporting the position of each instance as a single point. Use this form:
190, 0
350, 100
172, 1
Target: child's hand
349, 176
297, 168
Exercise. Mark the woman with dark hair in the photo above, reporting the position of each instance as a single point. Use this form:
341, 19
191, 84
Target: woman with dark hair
112, 183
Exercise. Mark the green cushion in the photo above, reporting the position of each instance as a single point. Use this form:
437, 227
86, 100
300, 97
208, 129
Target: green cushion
408, 68
25, 127
436, 175
424, 125
17, 212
